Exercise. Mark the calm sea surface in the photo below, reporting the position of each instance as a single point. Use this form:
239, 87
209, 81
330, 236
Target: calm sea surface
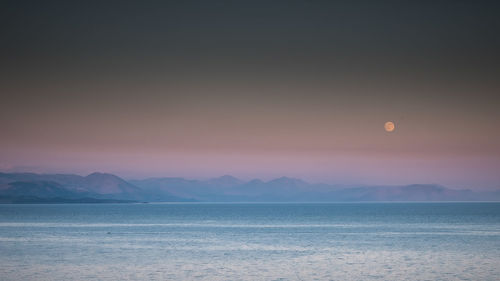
352, 241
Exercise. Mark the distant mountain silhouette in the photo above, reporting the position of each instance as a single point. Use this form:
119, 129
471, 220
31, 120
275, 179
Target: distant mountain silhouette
95, 185
224, 181
222, 189
102, 183
286, 189
56, 200
178, 187
41, 189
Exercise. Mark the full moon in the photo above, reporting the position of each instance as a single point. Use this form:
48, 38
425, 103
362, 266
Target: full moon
389, 126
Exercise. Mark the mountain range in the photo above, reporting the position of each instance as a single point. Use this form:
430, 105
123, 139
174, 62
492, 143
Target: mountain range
103, 187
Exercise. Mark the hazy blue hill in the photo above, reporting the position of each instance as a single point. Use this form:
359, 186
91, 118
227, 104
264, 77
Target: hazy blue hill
286, 189
392, 193
56, 200
222, 189
42, 189
108, 184
24, 192
414, 192
215, 189
225, 181
178, 187
283, 187
95, 185
228, 188
74, 182
6, 178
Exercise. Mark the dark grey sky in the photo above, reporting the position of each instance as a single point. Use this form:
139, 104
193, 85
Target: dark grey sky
259, 88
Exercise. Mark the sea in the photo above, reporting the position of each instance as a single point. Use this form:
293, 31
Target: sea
250, 241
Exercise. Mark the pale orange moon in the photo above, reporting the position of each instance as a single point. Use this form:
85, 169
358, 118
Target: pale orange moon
389, 126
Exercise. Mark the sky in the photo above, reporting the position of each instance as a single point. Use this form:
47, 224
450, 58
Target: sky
255, 89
